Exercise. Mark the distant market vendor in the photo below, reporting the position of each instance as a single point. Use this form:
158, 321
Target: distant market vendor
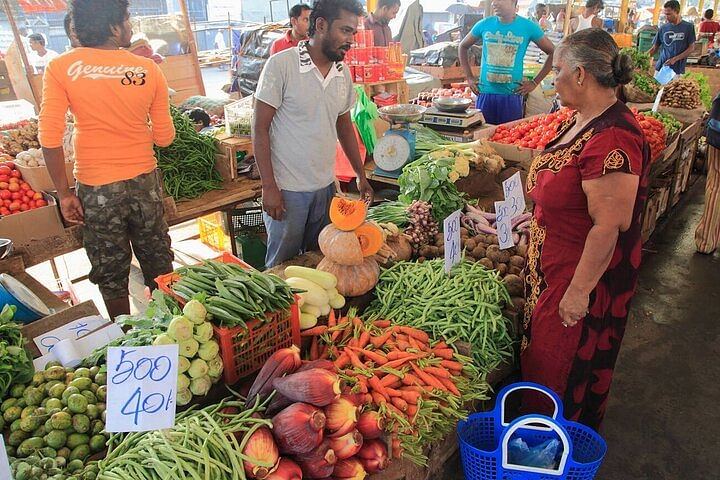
379, 20
505, 38
112, 94
299, 25
302, 109
675, 40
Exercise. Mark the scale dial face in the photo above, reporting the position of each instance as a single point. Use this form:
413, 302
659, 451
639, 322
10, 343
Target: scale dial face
391, 152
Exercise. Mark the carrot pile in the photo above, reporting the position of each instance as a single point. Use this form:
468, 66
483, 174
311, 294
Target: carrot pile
417, 385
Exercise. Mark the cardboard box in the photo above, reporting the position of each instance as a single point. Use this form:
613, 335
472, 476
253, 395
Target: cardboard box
513, 154
39, 177
62, 313
35, 224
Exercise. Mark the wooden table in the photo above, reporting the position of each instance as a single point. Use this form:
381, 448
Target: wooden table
232, 193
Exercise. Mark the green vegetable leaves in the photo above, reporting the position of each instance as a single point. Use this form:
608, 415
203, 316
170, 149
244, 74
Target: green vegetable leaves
646, 83
640, 60
428, 179
671, 124
15, 362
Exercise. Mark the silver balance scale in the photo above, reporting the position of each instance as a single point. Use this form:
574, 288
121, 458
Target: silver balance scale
397, 146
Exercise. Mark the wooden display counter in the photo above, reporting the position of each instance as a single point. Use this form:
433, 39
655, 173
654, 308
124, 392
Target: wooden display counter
231, 194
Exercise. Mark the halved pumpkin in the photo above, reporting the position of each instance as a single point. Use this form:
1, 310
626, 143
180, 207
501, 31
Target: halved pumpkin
370, 237
340, 247
347, 214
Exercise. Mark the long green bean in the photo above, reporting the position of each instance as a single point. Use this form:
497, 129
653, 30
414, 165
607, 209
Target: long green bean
463, 306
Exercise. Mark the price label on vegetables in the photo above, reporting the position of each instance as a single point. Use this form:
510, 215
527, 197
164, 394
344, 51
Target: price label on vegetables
4, 463
451, 227
142, 384
656, 104
504, 225
514, 195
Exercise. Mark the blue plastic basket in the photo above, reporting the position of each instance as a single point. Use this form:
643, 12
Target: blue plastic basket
484, 439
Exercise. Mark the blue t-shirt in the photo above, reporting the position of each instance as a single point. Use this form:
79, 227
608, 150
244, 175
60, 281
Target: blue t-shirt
504, 46
673, 40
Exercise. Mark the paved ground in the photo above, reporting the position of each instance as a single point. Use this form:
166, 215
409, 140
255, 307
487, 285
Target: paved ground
663, 409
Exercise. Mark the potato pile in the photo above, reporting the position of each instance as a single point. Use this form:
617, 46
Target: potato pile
682, 93
21, 139
484, 249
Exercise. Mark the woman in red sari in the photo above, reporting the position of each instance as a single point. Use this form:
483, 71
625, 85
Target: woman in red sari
589, 187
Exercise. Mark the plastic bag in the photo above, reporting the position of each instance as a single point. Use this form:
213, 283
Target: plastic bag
364, 114
665, 75
540, 456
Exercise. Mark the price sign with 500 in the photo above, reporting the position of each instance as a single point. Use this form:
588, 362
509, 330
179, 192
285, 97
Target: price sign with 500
142, 384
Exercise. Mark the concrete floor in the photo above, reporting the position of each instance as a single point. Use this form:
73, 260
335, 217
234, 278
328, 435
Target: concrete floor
662, 415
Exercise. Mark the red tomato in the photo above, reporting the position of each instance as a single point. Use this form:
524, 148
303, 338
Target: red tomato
31, 204
4, 211
14, 206
4, 185
6, 202
14, 180
5, 170
16, 174
5, 194
4, 178
30, 192
25, 199
24, 186
40, 203
38, 196
24, 207
16, 195
10, 165
14, 187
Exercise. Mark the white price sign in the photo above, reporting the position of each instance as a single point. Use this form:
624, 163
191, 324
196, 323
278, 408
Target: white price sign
656, 105
451, 227
4, 462
514, 195
142, 384
71, 331
504, 225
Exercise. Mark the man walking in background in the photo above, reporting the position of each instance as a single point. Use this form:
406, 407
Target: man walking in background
40, 56
505, 38
302, 109
589, 16
112, 94
675, 40
378, 21
299, 26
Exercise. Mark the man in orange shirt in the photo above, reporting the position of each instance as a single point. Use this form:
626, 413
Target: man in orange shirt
299, 23
121, 108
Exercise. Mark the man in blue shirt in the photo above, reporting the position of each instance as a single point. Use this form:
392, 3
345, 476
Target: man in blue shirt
675, 40
505, 38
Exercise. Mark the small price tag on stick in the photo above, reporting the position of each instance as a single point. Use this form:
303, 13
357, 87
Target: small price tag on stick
656, 105
504, 225
142, 385
451, 227
514, 195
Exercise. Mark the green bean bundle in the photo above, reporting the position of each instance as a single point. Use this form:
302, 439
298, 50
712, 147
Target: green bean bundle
464, 306
188, 164
203, 444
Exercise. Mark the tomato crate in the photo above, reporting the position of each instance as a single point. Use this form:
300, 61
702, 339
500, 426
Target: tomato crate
245, 350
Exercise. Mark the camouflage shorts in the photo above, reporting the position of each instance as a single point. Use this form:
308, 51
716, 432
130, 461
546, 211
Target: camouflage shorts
120, 215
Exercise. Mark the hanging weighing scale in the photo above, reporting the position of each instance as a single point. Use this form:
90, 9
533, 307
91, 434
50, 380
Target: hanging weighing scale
397, 146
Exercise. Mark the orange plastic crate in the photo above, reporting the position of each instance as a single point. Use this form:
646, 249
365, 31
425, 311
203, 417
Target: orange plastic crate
245, 351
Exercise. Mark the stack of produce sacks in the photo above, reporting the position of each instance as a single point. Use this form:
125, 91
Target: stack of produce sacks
199, 364
319, 431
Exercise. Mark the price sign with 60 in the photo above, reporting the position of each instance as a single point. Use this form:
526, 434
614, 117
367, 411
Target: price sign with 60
142, 384
451, 227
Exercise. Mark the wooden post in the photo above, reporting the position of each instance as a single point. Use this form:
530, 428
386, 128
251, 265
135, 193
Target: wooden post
683, 4
193, 47
29, 72
622, 23
656, 13
371, 5
568, 14
715, 6
701, 4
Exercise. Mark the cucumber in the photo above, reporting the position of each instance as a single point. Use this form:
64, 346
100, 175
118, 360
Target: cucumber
311, 310
307, 321
324, 279
314, 294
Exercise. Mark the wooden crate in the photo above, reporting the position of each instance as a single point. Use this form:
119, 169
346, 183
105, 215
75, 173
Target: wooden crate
226, 159
398, 87
183, 76
438, 455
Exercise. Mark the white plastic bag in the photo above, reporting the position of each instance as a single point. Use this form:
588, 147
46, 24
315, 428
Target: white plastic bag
665, 75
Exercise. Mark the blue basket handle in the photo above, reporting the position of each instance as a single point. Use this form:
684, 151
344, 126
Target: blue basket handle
530, 422
502, 395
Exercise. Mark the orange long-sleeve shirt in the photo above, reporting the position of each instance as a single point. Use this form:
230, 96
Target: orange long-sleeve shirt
121, 107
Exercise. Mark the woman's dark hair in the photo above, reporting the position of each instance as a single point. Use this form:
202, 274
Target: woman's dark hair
596, 51
330, 11
709, 14
198, 115
92, 19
